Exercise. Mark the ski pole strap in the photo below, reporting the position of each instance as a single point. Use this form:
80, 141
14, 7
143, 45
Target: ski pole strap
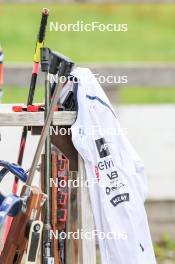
41, 35
14, 169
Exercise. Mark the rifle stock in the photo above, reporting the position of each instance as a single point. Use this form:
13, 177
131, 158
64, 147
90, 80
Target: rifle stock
17, 239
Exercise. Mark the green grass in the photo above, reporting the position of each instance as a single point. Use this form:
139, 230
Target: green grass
129, 95
19, 95
140, 95
165, 250
150, 36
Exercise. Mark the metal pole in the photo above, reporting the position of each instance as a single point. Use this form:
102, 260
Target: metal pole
47, 158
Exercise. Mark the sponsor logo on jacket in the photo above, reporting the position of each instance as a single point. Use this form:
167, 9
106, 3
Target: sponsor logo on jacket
114, 186
106, 164
124, 197
102, 147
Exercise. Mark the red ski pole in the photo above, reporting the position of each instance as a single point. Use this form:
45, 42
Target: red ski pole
36, 62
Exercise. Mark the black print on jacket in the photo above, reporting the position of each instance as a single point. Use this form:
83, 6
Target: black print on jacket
112, 175
124, 197
102, 147
142, 248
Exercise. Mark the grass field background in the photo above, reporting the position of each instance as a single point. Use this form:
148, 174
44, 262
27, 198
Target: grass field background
150, 36
130, 95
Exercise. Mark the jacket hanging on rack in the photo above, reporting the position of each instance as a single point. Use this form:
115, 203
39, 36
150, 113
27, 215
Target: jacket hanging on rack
115, 173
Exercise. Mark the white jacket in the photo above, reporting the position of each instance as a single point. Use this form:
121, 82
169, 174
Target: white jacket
119, 192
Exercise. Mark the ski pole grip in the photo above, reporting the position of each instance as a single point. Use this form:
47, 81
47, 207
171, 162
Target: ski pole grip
41, 35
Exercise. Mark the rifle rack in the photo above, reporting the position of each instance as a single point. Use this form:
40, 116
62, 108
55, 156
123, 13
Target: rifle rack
84, 221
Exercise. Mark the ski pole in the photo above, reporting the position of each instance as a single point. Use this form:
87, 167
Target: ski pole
1, 73
45, 54
39, 45
36, 61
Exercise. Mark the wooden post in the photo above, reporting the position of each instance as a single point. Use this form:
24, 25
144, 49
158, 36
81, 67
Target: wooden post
87, 248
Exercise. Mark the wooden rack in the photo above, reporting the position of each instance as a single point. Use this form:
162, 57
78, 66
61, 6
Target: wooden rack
35, 121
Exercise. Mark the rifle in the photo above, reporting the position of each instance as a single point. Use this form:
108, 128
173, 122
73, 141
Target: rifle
59, 206
32, 197
55, 207
50, 68
17, 207
10, 205
17, 239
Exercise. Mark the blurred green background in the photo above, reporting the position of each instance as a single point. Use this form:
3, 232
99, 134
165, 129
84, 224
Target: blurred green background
127, 95
149, 38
